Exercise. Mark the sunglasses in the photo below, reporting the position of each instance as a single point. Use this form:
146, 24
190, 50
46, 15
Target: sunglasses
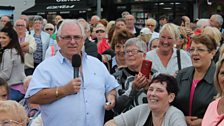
150, 25
49, 29
101, 31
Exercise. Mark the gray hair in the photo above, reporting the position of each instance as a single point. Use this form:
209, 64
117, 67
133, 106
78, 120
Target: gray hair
202, 23
85, 24
24, 22
137, 42
72, 22
38, 18
219, 19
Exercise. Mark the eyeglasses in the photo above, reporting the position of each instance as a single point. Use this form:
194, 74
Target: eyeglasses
49, 29
69, 38
9, 122
150, 25
18, 25
101, 31
191, 50
133, 51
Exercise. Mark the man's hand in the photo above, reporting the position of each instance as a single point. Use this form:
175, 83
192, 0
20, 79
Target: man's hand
111, 99
72, 87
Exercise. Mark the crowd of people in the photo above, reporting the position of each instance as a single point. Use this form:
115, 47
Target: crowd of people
42, 85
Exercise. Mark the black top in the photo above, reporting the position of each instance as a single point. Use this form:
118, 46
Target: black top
204, 92
91, 48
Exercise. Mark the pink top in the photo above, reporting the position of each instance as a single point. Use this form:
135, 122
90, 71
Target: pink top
211, 117
193, 86
18, 87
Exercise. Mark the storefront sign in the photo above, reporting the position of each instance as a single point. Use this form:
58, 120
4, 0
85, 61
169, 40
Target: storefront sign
58, 1
53, 7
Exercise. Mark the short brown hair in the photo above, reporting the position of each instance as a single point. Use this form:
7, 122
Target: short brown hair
121, 36
205, 40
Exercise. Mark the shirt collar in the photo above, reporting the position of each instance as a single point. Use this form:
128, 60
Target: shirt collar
63, 59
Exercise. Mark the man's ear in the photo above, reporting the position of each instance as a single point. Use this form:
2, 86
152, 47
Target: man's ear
171, 97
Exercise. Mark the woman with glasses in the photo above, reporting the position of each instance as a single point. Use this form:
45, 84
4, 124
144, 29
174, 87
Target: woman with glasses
28, 45
12, 114
196, 85
53, 46
151, 24
158, 111
102, 43
164, 58
132, 81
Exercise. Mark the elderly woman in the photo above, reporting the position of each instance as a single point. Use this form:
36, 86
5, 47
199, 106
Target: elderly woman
12, 114
159, 111
216, 107
164, 58
196, 86
130, 78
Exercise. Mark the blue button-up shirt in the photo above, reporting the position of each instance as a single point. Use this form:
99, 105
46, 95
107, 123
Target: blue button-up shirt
85, 108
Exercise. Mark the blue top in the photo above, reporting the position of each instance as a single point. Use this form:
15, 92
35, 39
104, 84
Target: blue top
85, 108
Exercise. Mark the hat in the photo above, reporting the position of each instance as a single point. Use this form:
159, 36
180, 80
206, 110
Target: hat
145, 31
49, 25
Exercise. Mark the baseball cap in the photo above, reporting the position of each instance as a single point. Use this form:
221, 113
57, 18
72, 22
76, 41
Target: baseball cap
145, 31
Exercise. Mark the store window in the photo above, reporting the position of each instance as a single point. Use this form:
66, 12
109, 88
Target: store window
144, 10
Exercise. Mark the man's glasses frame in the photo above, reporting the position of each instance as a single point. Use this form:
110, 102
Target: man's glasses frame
69, 38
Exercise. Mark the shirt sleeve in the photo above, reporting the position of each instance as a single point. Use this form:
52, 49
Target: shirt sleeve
41, 79
136, 116
7, 64
111, 82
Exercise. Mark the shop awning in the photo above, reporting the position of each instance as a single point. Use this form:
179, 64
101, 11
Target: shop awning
54, 8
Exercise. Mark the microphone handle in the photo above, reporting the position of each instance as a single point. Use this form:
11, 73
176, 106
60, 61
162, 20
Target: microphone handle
76, 72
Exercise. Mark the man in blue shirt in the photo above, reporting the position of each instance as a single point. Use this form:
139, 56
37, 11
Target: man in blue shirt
66, 101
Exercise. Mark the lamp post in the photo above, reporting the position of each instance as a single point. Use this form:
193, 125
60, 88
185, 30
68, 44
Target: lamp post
99, 8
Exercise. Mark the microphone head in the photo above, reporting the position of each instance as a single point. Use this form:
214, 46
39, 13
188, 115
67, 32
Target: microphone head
76, 60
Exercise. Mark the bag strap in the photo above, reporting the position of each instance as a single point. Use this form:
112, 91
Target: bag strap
178, 59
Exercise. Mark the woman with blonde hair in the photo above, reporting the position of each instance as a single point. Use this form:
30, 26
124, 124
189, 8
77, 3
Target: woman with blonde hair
214, 33
11, 113
164, 58
216, 107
